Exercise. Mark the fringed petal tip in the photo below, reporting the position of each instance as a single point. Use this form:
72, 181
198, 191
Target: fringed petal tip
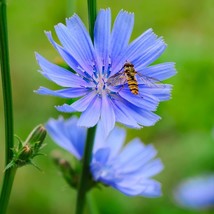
36, 55
48, 33
74, 16
42, 90
65, 108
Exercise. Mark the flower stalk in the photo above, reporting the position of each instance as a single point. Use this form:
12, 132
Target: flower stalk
92, 14
8, 110
85, 175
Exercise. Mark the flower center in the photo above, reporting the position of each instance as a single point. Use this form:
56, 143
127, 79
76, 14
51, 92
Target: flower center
101, 84
100, 78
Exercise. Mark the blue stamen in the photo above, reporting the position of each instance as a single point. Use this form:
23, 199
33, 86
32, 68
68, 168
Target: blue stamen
103, 69
104, 85
89, 77
89, 88
95, 71
109, 70
86, 79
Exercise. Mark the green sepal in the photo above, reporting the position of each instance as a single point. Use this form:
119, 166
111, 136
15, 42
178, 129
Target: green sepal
10, 165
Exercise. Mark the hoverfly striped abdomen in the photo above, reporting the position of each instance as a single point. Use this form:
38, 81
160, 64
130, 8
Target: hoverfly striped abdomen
130, 74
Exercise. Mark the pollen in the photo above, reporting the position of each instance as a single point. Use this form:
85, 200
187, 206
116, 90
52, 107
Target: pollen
101, 84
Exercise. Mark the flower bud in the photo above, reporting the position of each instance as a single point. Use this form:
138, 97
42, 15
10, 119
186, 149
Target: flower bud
36, 138
25, 152
69, 174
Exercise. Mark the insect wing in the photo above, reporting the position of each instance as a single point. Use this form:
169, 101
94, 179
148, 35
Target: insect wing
117, 79
149, 81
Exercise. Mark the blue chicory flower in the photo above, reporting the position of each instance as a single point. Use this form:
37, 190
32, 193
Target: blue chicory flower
129, 169
98, 76
196, 192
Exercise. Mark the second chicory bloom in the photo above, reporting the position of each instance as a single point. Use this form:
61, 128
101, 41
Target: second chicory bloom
196, 192
95, 65
129, 169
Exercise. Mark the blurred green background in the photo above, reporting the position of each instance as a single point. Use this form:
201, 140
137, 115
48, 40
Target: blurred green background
185, 135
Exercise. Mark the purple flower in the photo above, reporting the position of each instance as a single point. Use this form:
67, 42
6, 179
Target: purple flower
129, 169
99, 77
196, 193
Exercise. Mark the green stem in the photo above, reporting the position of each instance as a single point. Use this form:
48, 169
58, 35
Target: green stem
92, 14
85, 175
8, 110
6, 188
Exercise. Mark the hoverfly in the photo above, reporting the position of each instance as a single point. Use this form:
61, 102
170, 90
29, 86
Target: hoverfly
128, 75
